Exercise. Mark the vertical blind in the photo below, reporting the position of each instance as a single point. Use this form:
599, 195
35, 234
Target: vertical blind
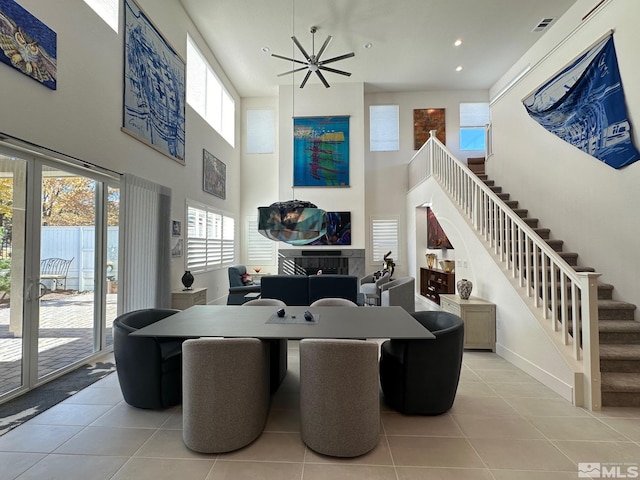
145, 236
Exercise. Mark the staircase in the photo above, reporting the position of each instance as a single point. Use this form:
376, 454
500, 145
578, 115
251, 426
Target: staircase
619, 333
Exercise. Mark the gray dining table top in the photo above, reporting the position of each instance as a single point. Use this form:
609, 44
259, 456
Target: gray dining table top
262, 322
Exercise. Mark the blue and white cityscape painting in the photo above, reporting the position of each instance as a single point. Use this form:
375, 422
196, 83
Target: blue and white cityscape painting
154, 86
584, 105
28, 44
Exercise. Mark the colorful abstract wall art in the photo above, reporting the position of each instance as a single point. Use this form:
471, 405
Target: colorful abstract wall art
154, 86
28, 44
321, 152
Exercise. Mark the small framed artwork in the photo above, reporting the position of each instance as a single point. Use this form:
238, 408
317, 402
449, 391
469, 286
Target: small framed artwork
425, 120
214, 174
176, 228
177, 248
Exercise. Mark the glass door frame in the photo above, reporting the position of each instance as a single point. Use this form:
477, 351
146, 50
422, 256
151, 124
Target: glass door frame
34, 164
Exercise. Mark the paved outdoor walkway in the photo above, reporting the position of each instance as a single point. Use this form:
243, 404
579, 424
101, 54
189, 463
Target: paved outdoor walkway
65, 335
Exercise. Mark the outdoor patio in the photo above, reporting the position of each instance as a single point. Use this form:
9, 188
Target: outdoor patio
65, 335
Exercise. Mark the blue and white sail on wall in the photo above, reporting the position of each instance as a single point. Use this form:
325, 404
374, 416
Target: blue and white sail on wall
584, 105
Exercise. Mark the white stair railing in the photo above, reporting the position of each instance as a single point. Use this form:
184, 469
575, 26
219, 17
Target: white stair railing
565, 299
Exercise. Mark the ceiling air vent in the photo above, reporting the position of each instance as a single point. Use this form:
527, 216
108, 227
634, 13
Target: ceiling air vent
543, 24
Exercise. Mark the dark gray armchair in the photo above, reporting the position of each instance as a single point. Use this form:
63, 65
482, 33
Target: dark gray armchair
421, 376
237, 288
149, 368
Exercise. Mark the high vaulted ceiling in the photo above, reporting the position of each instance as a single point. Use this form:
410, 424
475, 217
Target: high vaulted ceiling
411, 40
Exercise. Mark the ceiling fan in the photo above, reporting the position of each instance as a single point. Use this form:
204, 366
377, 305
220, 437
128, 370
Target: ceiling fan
313, 62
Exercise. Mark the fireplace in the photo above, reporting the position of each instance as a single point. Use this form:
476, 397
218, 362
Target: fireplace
308, 262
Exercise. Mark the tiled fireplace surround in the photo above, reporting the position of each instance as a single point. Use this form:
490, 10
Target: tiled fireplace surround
308, 261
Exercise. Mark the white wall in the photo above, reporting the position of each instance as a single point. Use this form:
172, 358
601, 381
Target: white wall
591, 206
520, 338
82, 118
387, 172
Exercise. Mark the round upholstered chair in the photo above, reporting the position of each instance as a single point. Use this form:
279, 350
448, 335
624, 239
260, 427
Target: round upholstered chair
149, 368
339, 396
273, 302
420, 377
333, 302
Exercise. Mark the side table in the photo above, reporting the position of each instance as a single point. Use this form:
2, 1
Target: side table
183, 299
479, 318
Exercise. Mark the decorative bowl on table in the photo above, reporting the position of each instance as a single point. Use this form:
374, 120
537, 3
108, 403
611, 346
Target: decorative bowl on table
448, 265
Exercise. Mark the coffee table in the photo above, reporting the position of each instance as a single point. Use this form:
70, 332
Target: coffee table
260, 322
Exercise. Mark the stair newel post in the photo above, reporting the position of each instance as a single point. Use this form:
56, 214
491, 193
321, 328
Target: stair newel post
590, 339
432, 148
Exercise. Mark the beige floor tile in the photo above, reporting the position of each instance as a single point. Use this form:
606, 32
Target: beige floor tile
425, 473
469, 376
476, 389
276, 447
37, 438
489, 406
13, 464
124, 415
69, 414
523, 390
283, 420
575, 428
380, 455
163, 469
433, 426
106, 441
286, 400
532, 475
347, 472
521, 454
74, 467
97, 396
546, 407
514, 375
168, 444
174, 422
630, 427
591, 452
476, 426
433, 452
224, 470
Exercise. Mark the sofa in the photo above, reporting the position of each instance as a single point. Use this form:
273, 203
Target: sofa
303, 290
400, 292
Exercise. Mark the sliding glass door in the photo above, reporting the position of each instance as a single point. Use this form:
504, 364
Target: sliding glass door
58, 268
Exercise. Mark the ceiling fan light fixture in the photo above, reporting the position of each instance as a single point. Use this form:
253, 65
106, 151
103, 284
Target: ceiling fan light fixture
314, 63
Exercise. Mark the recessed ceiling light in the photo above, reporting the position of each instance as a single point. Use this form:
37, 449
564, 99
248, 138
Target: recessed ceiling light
458, 42
368, 45
265, 49
459, 68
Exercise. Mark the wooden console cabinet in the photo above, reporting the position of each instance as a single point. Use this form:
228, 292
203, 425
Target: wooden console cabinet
479, 318
434, 282
183, 299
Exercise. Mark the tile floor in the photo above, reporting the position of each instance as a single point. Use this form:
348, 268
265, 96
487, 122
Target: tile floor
504, 425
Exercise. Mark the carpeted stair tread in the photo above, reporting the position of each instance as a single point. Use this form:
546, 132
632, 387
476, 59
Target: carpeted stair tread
615, 305
521, 212
620, 382
542, 232
619, 326
620, 352
555, 244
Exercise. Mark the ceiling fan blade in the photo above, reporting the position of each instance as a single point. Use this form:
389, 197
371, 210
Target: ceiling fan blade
306, 77
292, 71
333, 70
324, 45
322, 79
304, 52
335, 59
288, 59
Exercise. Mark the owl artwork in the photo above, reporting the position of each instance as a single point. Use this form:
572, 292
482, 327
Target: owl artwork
24, 52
